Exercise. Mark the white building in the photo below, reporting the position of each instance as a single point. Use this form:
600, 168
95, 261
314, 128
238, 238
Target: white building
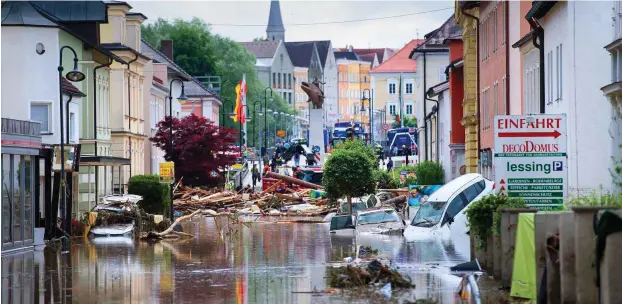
575, 64
440, 92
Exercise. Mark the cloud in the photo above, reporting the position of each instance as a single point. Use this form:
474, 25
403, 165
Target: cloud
389, 32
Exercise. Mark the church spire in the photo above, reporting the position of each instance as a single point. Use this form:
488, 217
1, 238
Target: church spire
275, 29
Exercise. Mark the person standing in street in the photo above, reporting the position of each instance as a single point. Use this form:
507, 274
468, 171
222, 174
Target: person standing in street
394, 150
390, 164
297, 158
405, 153
255, 175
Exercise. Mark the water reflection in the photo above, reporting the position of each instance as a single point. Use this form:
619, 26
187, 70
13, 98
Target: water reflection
266, 263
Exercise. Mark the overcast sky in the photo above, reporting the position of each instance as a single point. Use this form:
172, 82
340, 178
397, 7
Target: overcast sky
388, 32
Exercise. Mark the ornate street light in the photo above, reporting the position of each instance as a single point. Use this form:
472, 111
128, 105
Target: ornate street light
182, 100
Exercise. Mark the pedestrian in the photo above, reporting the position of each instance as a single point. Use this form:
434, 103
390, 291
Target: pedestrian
394, 150
405, 152
255, 175
390, 164
296, 158
266, 168
273, 163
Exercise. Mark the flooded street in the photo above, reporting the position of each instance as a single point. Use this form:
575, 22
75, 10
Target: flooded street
266, 263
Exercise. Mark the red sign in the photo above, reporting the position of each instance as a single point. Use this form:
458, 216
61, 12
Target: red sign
385, 127
525, 123
554, 134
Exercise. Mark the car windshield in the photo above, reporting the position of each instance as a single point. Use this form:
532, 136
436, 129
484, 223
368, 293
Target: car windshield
382, 216
429, 214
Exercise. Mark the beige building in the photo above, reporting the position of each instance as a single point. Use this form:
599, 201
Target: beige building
122, 36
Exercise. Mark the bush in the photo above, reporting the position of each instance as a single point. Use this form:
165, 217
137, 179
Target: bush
386, 180
358, 145
430, 173
484, 218
597, 199
348, 173
156, 196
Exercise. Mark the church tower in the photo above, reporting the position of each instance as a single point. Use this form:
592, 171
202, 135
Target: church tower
275, 29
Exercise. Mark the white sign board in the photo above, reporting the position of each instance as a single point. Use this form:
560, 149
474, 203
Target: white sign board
530, 159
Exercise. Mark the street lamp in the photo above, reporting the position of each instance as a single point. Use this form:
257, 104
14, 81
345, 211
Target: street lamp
181, 99
225, 101
371, 107
255, 121
265, 116
74, 76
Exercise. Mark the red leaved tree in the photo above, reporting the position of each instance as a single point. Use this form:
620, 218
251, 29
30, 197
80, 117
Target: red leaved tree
200, 148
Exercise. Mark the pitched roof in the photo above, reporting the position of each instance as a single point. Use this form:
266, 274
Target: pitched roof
400, 62
378, 51
23, 13
70, 89
158, 56
194, 88
75, 11
262, 49
346, 55
323, 47
369, 57
436, 39
300, 53
275, 22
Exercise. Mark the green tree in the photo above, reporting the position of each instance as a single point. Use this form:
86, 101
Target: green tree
349, 172
409, 122
200, 53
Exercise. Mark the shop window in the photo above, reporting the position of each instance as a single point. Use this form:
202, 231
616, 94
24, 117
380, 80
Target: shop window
17, 195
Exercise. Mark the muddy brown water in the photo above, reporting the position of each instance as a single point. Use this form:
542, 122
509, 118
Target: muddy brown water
266, 263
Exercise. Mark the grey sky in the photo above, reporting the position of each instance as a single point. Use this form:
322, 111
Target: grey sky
391, 32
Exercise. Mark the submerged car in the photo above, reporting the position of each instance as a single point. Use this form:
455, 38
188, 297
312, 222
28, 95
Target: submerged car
376, 220
122, 208
443, 213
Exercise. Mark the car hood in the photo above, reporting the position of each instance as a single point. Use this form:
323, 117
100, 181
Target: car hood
381, 228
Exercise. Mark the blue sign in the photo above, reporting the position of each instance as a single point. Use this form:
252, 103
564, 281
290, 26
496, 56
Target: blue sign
286, 145
316, 149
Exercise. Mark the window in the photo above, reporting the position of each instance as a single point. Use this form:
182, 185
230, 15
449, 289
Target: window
72, 127
41, 112
559, 74
273, 80
279, 78
392, 109
495, 93
502, 9
289, 98
391, 88
472, 192
455, 206
289, 81
503, 98
494, 30
408, 88
409, 109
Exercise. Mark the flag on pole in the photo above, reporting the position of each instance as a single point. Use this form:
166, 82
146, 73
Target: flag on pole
240, 91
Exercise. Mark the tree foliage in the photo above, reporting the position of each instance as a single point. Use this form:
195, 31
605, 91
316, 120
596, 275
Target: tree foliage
202, 53
430, 173
409, 122
348, 173
156, 195
484, 217
200, 148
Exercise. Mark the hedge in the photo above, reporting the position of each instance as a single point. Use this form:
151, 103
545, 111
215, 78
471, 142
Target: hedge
156, 196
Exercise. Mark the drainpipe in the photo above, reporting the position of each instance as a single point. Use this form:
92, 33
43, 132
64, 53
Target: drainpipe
479, 135
67, 122
129, 108
95, 122
538, 42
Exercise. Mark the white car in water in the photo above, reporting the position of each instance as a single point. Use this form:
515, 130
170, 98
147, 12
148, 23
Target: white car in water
442, 215
375, 220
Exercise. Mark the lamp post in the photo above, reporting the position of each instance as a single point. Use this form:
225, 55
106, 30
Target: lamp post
276, 122
265, 116
266, 127
255, 122
222, 115
181, 99
371, 107
74, 76
240, 123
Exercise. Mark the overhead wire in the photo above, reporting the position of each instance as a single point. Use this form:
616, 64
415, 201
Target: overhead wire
338, 22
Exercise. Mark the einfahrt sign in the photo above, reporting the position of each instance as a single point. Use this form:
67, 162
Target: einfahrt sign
530, 159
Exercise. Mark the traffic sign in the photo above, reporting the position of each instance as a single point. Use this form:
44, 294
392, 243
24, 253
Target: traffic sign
531, 159
385, 127
281, 133
167, 172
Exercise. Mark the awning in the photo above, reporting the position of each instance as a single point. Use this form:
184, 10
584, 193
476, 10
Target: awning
90, 160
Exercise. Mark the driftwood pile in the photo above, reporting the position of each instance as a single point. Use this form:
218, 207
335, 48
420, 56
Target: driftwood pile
189, 199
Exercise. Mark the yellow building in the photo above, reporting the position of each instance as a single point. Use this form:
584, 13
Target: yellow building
122, 36
353, 78
465, 15
301, 74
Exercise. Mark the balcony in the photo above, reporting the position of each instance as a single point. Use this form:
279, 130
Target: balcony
21, 127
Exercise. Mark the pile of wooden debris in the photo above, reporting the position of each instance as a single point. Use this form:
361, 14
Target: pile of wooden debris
286, 196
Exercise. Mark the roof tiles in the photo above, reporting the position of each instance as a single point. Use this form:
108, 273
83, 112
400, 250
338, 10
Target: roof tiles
400, 61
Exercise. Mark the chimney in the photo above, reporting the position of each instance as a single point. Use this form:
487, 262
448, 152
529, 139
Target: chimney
167, 48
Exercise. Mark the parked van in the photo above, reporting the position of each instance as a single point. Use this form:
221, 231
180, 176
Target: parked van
442, 215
